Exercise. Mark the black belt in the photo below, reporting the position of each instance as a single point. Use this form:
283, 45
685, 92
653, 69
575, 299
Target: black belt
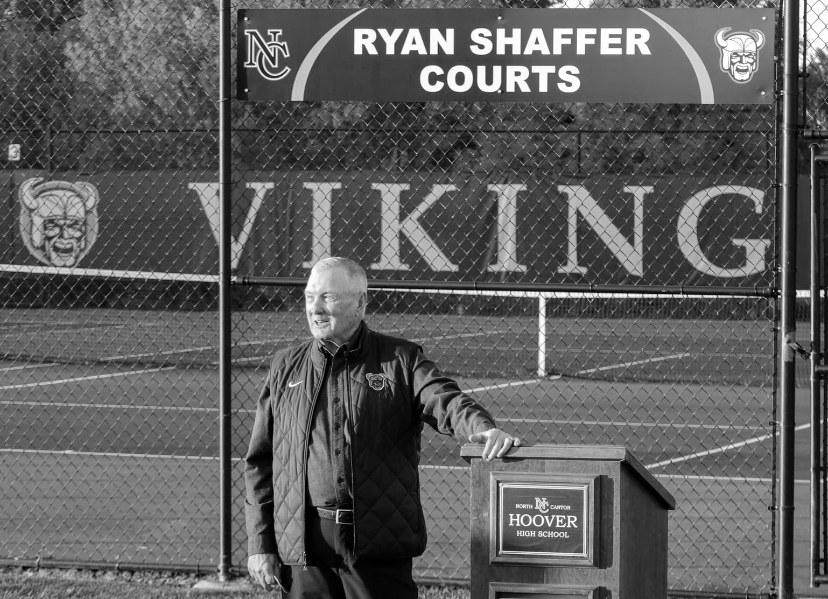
340, 516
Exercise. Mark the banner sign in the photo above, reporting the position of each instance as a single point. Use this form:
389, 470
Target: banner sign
635, 55
612, 230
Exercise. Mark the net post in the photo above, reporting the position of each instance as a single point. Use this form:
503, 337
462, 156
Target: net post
541, 334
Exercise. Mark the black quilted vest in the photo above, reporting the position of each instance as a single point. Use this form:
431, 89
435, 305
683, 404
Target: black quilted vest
389, 520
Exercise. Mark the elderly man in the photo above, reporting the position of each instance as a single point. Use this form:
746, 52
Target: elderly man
333, 500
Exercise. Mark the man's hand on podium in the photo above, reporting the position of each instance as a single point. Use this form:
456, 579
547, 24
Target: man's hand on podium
497, 443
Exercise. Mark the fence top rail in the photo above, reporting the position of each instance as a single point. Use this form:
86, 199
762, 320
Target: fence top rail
482, 287
505, 128
530, 288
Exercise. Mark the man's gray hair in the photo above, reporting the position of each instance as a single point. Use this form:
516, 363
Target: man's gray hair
355, 272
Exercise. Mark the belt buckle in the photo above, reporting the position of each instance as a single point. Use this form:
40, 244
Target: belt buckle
344, 516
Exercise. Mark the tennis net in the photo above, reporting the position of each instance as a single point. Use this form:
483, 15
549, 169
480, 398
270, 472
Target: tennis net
169, 319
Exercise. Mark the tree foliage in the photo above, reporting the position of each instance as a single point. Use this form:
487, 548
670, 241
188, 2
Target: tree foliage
816, 90
133, 84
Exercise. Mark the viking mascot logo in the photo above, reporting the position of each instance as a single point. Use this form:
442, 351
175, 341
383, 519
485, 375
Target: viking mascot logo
740, 53
58, 220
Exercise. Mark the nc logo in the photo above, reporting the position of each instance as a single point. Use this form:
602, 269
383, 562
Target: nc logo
263, 55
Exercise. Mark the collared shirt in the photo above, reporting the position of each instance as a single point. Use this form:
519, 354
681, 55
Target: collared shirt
329, 453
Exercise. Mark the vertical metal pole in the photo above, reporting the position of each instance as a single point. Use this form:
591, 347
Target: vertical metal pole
49, 164
816, 359
225, 197
541, 334
787, 418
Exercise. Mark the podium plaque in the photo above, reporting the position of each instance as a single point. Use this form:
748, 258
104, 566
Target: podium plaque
542, 519
566, 522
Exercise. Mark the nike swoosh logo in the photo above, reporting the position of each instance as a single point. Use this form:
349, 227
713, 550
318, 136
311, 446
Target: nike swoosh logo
297, 383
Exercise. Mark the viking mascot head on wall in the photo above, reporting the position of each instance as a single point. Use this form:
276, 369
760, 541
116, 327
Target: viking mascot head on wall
58, 220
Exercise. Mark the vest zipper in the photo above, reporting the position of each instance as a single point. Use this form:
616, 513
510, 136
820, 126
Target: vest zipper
349, 417
308, 424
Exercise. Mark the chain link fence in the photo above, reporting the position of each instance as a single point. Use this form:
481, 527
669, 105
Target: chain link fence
624, 254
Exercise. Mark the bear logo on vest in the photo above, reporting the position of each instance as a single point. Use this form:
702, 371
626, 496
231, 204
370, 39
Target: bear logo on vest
376, 381
58, 220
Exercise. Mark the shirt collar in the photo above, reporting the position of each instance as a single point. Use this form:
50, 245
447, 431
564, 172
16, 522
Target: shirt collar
351, 348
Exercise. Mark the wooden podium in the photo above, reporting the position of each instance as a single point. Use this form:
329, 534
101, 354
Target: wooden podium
567, 522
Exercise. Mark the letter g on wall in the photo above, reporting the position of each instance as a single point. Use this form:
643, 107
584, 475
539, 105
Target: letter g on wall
688, 233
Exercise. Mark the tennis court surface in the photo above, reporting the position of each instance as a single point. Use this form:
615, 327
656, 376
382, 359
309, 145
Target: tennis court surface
111, 427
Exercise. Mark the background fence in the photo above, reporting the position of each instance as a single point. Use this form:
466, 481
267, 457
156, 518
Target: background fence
592, 322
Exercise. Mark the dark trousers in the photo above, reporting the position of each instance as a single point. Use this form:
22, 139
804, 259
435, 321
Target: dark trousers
333, 573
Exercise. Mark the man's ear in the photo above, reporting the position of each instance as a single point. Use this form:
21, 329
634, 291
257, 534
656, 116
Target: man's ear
362, 303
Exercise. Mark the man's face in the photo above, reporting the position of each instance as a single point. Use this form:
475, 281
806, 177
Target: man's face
333, 305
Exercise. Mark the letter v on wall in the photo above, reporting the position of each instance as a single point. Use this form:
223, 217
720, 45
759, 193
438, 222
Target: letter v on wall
208, 195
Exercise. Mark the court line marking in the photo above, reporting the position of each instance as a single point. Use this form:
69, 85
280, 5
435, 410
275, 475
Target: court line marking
741, 479
206, 348
62, 331
458, 335
54, 405
183, 351
511, 384
265, 361
416, 340
282, 342
638, 351
69, 453
724, 448
104, 454
636, 363
24, 367
580, 372
267, 358
85, 378
59, 323
296, 340
101, 376
635, 424
499, 386
749, 479
169, 352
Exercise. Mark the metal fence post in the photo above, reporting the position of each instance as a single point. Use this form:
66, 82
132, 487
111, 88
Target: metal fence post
816, 359
816, 351
541, 334
225, 195
787, 420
